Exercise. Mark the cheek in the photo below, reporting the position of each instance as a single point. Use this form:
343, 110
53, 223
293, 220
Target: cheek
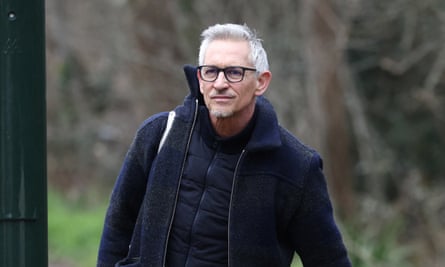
246, 92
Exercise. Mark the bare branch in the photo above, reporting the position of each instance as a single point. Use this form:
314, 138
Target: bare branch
400, 67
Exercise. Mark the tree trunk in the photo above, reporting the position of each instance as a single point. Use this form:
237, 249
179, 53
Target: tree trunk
324, 42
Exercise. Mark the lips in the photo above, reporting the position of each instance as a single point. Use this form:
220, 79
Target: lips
221, 99
220, 96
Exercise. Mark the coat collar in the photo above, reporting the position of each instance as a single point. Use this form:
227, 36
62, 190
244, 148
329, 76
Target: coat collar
193, 83
266, 133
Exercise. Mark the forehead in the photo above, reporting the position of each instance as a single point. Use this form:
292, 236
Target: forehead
227, 52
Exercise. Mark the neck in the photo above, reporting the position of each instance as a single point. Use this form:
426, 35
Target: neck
232, 125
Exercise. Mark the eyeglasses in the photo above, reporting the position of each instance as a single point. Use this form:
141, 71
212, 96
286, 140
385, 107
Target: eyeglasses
233, 74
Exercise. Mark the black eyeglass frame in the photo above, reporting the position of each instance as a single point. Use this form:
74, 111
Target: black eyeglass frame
224, 70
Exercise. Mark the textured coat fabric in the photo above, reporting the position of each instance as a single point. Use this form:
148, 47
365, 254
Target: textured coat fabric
279, 203
199, 231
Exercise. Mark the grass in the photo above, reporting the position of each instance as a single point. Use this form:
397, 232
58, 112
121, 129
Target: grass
74, 231
296, 262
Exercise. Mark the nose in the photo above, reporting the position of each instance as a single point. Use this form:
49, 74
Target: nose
221, 81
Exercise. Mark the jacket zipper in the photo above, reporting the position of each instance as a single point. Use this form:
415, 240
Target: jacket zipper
180, 178
230, 204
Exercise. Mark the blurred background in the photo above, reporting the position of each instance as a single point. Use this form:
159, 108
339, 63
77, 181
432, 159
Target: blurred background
361, 81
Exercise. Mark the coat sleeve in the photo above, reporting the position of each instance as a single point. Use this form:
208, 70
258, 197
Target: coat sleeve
315, 235
128, 192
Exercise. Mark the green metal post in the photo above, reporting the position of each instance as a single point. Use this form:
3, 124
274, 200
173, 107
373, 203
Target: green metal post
23, 186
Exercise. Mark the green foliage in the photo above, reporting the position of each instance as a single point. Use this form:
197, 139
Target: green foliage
74, 231
377, 249
374, 237
296, 262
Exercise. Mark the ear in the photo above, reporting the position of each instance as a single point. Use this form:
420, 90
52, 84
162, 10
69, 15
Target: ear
263, 82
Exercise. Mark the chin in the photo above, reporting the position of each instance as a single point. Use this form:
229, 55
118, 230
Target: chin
221, 114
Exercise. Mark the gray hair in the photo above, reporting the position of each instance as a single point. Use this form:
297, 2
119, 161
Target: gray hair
258, 55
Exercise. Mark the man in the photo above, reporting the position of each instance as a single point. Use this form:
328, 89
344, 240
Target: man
227, 185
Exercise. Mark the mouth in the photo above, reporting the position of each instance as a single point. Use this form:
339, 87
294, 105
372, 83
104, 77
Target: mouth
221, 98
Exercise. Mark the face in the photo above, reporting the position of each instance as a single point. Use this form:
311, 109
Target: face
223, 98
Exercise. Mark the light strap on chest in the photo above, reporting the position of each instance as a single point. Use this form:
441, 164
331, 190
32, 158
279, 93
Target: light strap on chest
171, 118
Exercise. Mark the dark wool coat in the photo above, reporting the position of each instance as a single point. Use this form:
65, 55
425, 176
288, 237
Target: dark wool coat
279, 204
